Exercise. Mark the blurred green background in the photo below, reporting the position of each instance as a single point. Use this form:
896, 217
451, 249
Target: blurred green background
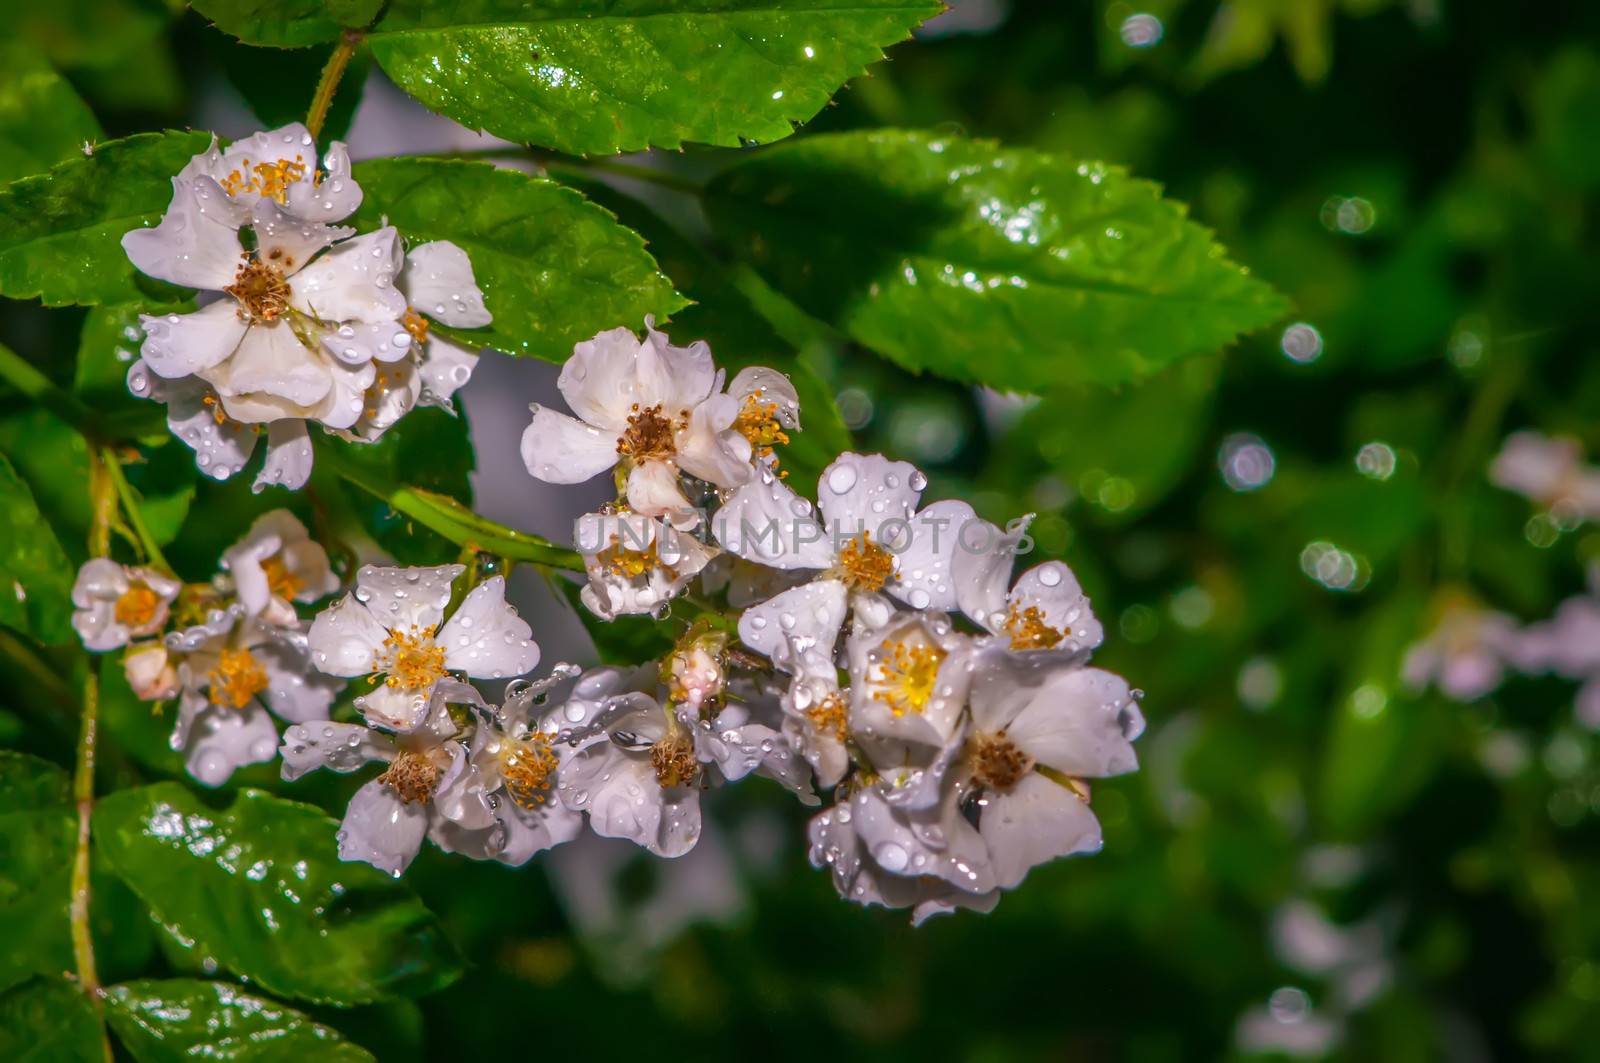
1315, 859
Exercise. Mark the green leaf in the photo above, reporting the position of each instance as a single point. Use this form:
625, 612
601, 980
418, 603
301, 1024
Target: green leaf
287, 23
49, 1021
61, 232
35, 575
108, 345
260, 887
52, 459
182, 1019
554, 268
38, 832
134, 726
87, 33
42, 120
589, 77
1006, 267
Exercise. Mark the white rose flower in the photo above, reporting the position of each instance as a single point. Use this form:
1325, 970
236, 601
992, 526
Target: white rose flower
1045, 610
389, 628
116, 604
151, 672
281, 165
635, 563
277, 564
817, 715
649, 406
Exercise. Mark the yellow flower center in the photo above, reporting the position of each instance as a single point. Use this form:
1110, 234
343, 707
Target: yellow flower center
262, 292
1029, 631
415, 324
280, 580
412, 659
996, 761
673, 760
631, 564
137, 606
650, 434
413, 778
270, 179
758, 422
528, 768
236, 679
829, 717
907, 675
863, 564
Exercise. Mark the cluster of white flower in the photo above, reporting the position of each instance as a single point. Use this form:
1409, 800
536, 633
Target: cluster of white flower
866, 644
1550, 472
300, 319
235, 648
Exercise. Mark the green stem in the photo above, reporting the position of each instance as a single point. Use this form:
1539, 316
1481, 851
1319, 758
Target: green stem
1494, 394
328, 84
443, 514
38, 387
130, 506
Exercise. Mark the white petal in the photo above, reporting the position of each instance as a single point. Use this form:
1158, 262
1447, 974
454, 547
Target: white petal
486, 638
381, 830
532, 831
354, 343
346, 638
766, 522
222, 741
393, 709
768, 386
564, 450
460, 797
221, 448
599, 382
1081, 722
710, 449
287, 242
623, 800
407, 597
342, 747
288, 457
335, 197
1054, 591
196, 244
353, 281
290, 143
981, 570
923, 576
653, 490
178, 345
349, 399
295, 692
1036, 821
445, 369
438, 282
943, 845
805, 618
271, 361
862, 491
679, 378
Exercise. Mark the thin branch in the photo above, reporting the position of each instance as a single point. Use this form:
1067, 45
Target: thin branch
338, 62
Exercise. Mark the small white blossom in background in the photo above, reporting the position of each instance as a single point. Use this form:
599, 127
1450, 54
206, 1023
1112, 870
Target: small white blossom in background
311, 323
115, 604
1551, 473
1568, 645
277, 564
1466, 652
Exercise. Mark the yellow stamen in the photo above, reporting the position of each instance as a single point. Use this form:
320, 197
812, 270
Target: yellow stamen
758, 422
217, 413
631, 564
280, 580
412, 659
262, 292
528, 768
673, 760
864, 565
829, 717
650, 434
996, 761
138, 606
270, 179
1029, 631
237, 678
415, 324
413, 778
909, 674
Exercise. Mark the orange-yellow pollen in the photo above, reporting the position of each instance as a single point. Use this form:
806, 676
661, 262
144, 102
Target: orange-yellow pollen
631, 564
270, 179
217, 413
412, 659
415, 324
650, 434
528, 768
413, 778
996, 761
262, 292
673, 760
1029, 631
829, 717
909, 674
137, 606
758, 422
864, 565
236, 679
280, 580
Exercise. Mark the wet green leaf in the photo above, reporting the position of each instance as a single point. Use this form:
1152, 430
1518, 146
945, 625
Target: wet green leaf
182, 1019
42, 120
38, 830
587, 77
61, 232
49, 1021
554, 268
259, 886
1006, 267
287, 23
52, 459
107, 346
35, 575
87, 33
